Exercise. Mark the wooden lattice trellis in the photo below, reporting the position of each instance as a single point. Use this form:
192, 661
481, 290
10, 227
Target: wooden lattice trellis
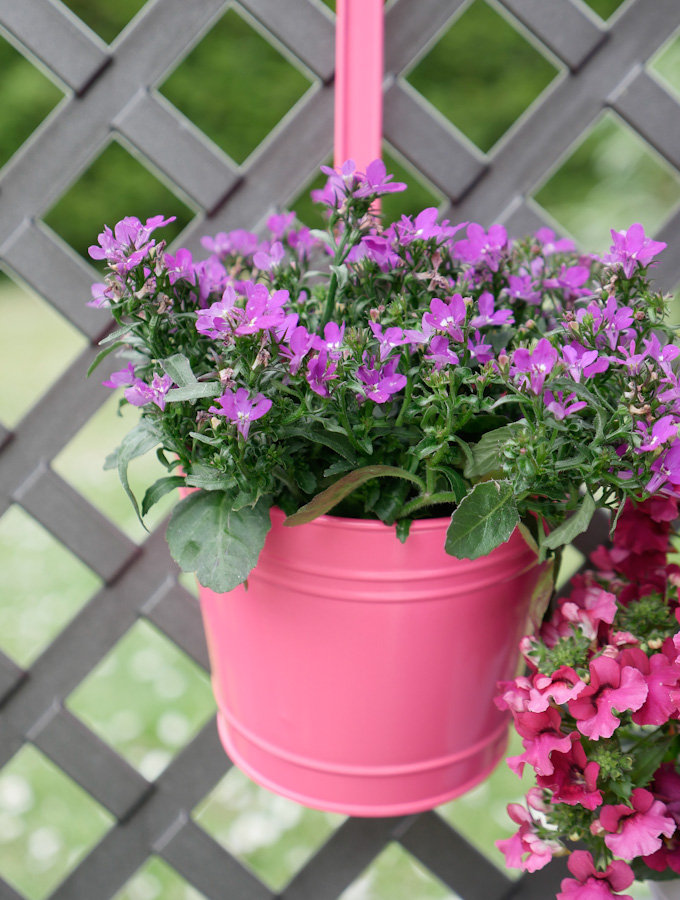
112, 93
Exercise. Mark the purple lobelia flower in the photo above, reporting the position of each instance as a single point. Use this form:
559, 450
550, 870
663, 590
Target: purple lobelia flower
376, 181
299, 345
379, 250
179, 266
232, 243
666, 470
102, 295
523, 287
662, 431
333, 335
631, 360
546, 237
534, 367
393, 337
663, 354
487, 316
262, 310
570, 280
480, 351
609, 322
319, 373
440, 352
580, 361
560, 407
422, 229
128, 243
482, 247
280, 223
380, 385
447, 316
141, 393
267, 260
121, 378
220, 318
238, 406
632, 248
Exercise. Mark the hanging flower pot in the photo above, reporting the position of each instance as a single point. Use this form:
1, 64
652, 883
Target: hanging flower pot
357, 674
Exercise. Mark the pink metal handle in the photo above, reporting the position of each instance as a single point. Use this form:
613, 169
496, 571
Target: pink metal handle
358, 81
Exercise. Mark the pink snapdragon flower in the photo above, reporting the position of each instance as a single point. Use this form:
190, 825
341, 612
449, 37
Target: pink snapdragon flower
526, 850
635, 830
541, 735
592, 884
612, 686
574, 779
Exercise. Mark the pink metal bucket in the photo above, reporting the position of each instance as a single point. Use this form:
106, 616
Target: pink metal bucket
356, 674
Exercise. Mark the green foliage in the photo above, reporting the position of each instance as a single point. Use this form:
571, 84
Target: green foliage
485, 519
207, 536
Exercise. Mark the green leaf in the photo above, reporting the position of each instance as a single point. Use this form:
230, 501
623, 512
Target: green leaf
306, 480
486, 453
648, 762
403, 528
454, 479
542, 593
100, 356
331, 439
206, 536
341, 274
114, 335
342, 488
204, 439
194, 391
209, 479
574, 526
144, 437
159, 489
485, 519
178, 368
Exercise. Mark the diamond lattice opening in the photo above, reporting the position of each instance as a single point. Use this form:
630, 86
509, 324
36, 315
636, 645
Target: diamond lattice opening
147, 699
43, 586
273, 836
106, 19
156, 880
481, 814
81, 462
247, 86
611, 179
418, 196
604, 8
667, 64
55, 344
48, 824
116, 185
27, 98
396, 874
482, 93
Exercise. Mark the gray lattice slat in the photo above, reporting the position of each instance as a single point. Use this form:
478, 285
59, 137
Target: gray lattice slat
5, 436
605, 70
90, 762
38, 258
201, 860
410, 29
440, 848
80, 527
178, 615
562, 26
652, 111
57, 38
305, 28
11, 677
192, 162
342, 859
667, 273
422, 134
8, 893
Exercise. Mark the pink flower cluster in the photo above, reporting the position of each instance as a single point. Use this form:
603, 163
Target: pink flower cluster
598, 713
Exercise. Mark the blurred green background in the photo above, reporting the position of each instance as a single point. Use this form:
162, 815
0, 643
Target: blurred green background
146, 698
